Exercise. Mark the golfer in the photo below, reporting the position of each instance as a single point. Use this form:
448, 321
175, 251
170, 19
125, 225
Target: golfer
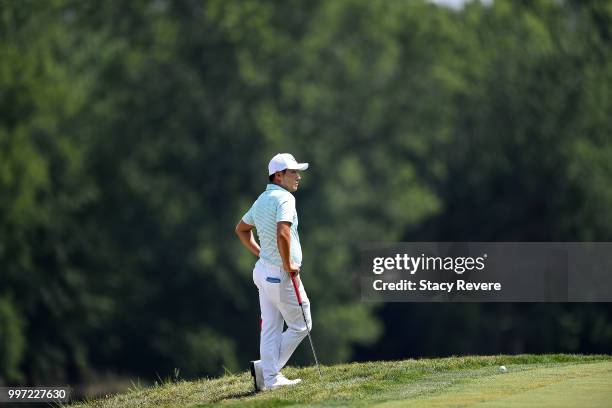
274, 216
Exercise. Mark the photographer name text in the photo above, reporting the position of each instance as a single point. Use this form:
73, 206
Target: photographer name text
413, 264
427, 285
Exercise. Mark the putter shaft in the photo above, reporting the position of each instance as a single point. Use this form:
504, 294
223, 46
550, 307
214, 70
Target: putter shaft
299, 299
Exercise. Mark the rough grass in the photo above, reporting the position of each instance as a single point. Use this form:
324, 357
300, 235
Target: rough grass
531, 380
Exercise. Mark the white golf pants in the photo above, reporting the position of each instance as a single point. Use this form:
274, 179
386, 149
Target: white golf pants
278, 303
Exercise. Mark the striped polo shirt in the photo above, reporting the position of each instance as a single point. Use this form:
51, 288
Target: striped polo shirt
274, 205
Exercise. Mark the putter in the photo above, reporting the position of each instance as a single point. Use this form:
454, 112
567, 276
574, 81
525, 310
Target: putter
299, 299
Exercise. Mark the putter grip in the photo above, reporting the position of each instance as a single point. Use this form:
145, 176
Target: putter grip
297, 290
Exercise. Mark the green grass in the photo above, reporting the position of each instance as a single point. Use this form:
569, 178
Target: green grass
558, 380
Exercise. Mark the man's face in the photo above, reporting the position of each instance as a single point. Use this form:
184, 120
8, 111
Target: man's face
290, 179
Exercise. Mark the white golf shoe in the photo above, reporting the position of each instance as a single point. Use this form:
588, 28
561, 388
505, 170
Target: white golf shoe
282, 381
257, 374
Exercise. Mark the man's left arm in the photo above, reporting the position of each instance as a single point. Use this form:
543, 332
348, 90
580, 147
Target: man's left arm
245, 233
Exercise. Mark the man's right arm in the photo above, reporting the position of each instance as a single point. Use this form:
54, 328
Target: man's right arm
283, 240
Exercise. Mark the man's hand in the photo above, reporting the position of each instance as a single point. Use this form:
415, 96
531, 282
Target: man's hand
294, 270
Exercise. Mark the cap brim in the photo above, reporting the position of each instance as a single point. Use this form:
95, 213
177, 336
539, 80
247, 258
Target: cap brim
300, 166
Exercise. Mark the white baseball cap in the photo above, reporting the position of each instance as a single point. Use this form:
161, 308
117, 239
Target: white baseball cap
284, 161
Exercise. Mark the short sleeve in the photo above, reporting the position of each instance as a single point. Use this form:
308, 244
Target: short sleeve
248, 217
285, 210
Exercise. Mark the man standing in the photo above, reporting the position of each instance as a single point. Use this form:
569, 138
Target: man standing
274, 216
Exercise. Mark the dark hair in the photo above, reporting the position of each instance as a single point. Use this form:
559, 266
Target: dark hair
271, 176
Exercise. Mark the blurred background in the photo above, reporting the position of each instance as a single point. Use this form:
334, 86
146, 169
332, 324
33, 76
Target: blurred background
135, 134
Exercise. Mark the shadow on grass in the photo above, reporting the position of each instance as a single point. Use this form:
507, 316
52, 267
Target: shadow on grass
233, 396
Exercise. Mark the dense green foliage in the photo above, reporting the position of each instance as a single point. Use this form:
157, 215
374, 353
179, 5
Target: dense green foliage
133, 136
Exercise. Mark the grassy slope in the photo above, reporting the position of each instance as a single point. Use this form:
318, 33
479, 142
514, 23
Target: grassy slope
549, 381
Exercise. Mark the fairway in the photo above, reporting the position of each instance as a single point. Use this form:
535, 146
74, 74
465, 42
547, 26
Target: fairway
579, 385
531, 381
